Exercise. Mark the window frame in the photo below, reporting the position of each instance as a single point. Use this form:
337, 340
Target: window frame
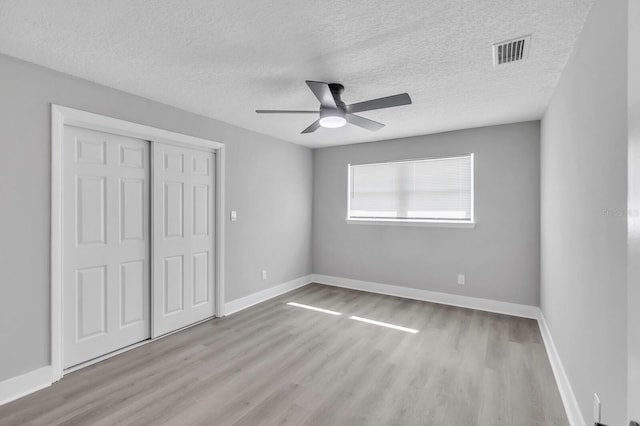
443, 223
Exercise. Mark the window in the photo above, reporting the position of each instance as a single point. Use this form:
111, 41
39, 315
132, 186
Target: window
432, 190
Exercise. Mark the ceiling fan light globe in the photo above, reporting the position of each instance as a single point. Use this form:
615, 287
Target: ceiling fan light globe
332, 121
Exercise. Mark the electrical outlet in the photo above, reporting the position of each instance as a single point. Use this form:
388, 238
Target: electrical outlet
460, 279
596, 408
264, 275
234, 216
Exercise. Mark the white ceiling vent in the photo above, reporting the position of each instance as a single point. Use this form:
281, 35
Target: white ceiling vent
513, 50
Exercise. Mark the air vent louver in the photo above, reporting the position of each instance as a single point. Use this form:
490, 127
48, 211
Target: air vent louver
513, 50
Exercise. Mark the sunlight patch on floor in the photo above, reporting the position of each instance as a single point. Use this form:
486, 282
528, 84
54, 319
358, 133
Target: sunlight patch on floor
313, 308
385, 324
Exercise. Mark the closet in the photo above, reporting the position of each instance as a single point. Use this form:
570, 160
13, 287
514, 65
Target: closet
138, 240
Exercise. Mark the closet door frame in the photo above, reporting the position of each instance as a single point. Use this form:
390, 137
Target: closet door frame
62, 116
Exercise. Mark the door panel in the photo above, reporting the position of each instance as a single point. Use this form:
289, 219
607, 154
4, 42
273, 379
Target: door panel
173, 162
201, 166
132, 156
91, 205
92, 151
106, 290
183, 257
201, 211
132, 292
132, 209
173, 284
173, 210
92, 302
200, 278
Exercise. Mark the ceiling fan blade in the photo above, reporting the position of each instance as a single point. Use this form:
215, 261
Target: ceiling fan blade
314, 126
388, 102
283, 111
365, 123
323, 93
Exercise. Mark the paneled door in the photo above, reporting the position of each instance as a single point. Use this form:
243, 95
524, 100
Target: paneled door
106, 291
183, 237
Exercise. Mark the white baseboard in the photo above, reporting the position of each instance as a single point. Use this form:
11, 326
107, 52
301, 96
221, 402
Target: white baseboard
17, 387
261, 296
564, 386
25, 384
496, 306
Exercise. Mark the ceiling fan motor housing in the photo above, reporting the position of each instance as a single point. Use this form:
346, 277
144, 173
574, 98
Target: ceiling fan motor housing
336, 91
334, 117
332, 112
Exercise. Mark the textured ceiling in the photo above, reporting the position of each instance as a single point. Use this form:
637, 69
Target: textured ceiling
224, 59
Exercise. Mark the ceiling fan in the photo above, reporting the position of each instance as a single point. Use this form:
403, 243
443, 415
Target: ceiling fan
334, 113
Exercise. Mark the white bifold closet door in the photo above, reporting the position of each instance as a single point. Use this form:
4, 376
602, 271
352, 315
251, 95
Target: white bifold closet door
106, 243
183, 237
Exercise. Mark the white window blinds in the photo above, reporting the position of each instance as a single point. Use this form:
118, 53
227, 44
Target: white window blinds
413, 190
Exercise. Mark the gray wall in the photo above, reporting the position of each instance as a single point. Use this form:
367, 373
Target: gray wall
268, 183
633, 280
500, 256
583, 218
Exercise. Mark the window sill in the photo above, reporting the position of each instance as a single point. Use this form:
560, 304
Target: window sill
428, 223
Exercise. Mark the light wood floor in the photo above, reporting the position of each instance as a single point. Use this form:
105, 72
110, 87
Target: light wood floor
276, 364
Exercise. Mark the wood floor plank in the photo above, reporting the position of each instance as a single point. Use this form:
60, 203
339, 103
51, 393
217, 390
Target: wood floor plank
277, 364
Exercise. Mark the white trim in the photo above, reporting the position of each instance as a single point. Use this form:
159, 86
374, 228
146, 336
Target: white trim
25, 384
152, 226
255, 298
473, 189
564, 386
220, 230
413, 222
61, 116
515, 309
57, 136
102, 123
19, 386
